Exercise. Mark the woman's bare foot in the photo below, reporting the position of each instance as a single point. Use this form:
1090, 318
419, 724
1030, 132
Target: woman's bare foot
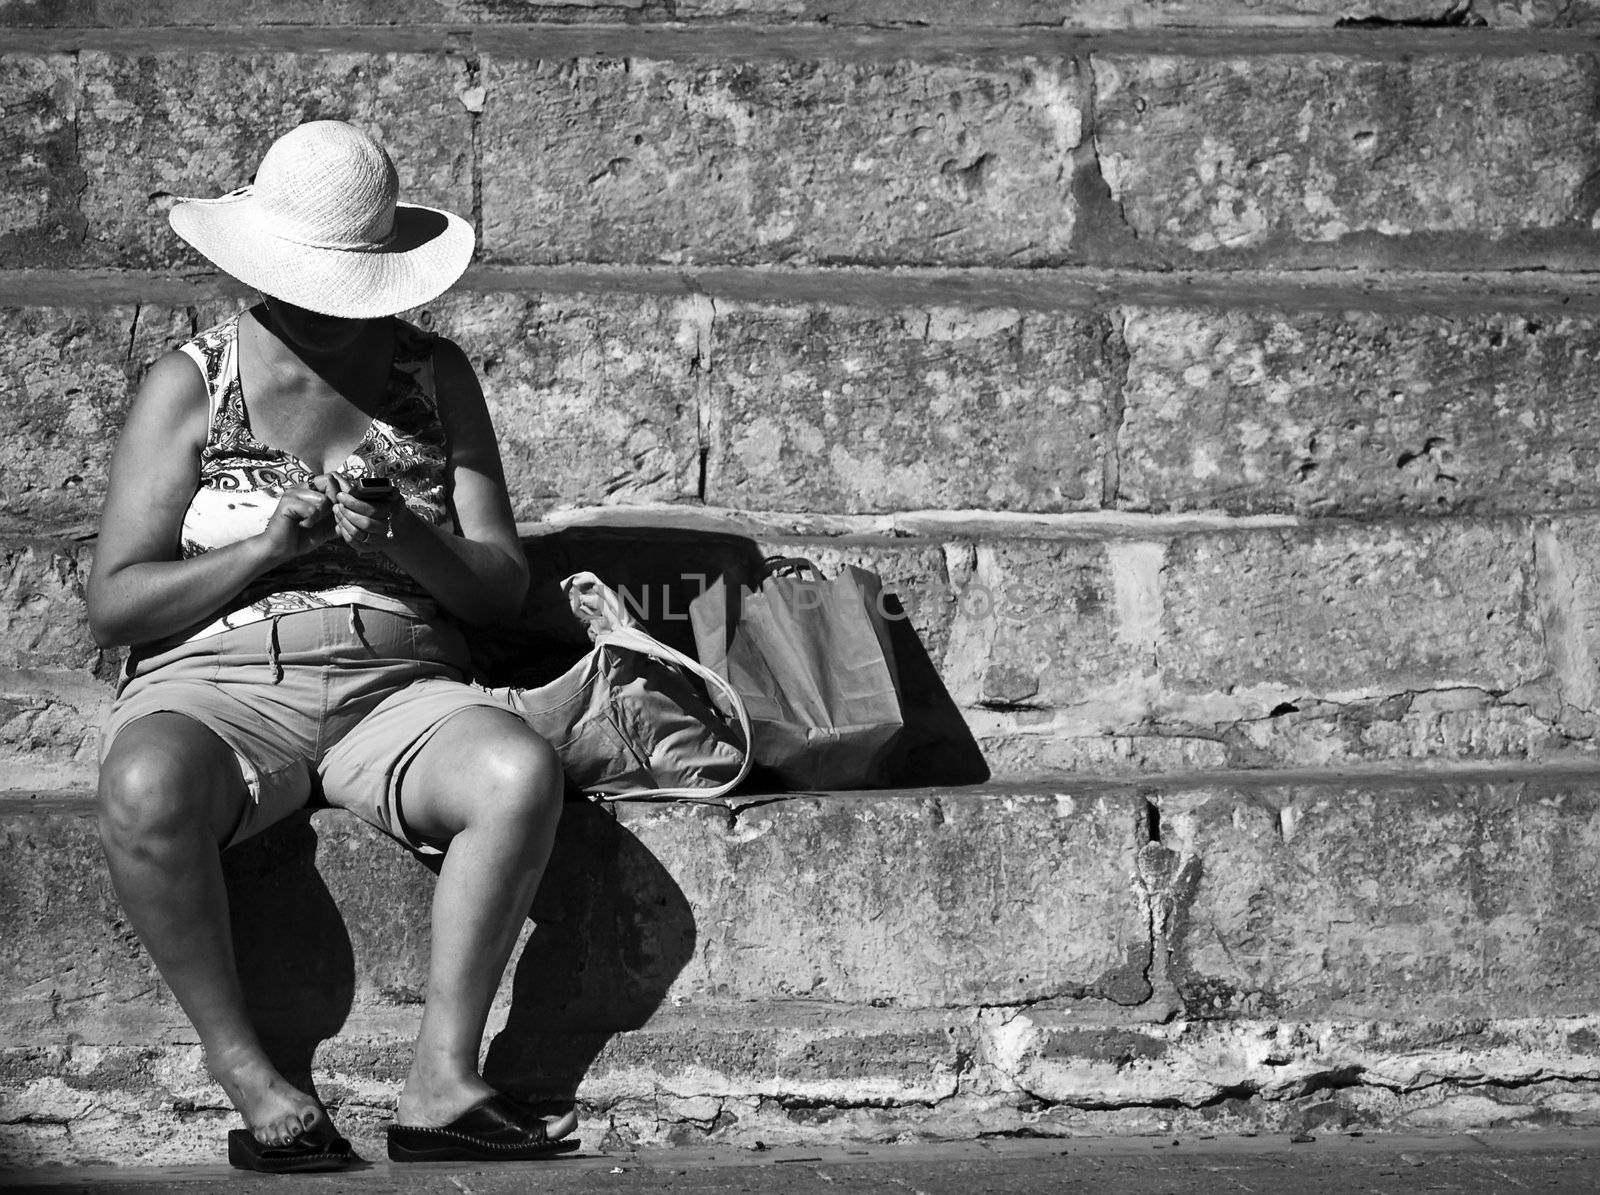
275, 1111
432, 1101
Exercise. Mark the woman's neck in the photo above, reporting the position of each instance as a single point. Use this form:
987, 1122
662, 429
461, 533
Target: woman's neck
300, 350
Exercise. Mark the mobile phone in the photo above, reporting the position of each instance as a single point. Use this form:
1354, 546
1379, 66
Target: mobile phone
372, 489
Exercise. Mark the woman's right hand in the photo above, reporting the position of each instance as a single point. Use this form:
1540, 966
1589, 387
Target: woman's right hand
302, 521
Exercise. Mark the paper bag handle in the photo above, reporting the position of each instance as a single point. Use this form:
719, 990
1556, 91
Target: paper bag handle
785, 566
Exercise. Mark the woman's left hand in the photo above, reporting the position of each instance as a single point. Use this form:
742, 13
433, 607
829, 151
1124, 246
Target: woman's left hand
367, 526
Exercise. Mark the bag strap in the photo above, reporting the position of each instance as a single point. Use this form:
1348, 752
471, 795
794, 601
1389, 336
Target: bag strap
633, 638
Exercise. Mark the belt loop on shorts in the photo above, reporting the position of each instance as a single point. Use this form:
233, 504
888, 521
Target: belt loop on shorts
356, 629
272, 651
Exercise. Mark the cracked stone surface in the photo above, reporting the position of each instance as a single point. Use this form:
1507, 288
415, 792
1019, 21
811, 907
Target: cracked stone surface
1354, 413
154, 127
1206, 155
1420, 899
652, 161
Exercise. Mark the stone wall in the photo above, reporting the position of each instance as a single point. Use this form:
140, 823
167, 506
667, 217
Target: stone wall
1211, 380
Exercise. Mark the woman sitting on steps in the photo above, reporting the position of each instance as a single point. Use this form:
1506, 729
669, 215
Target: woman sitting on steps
292, 630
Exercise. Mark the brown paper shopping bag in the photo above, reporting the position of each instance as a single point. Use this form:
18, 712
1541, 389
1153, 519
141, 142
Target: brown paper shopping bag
811, 658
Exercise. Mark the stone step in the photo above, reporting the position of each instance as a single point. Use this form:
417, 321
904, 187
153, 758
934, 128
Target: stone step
848, 405
1247, 951
1558, 1162
1145, 648
915, 152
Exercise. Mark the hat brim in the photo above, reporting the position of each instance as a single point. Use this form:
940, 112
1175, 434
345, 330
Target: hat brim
429, 250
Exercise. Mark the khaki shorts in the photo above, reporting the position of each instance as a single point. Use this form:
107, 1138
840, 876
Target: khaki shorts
329, 703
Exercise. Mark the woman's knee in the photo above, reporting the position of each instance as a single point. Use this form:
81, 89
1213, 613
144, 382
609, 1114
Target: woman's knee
519, 780
166, 777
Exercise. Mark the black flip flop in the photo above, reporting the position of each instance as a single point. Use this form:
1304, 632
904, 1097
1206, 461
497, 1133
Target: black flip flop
496, 1130
301, 1156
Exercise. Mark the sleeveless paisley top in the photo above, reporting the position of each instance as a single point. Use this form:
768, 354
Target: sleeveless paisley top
241, 480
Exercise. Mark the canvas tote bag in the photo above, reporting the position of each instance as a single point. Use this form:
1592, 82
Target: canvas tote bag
626, 719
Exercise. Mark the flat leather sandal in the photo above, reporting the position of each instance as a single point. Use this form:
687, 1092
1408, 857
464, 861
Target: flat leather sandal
301, 1156
495, 1130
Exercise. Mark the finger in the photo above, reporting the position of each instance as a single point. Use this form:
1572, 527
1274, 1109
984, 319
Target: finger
358, 506
346, 524
330, 484
355, 536
306, 506
361, 522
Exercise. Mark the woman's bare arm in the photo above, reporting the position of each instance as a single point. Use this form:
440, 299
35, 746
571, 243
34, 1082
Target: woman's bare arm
481, 574
139, 591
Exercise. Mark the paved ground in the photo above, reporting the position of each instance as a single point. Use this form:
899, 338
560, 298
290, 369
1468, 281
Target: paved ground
1333, 1165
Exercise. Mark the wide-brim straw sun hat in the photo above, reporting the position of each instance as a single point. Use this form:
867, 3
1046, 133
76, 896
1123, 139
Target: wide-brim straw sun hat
321, 227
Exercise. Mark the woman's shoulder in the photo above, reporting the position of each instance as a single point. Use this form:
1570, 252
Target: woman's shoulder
173, 393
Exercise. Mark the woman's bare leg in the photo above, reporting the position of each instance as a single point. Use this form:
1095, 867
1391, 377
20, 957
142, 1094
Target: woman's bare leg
492, 789
170, 793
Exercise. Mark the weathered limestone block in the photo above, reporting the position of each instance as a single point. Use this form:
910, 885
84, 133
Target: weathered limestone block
1052, 623
1423, 898
54, 680
1291, 155
1358, 412
776, 161
851, 1055
594, 398
50, 727
850, 410
43, 623
66, 377
1569, 605
152, 127
1351, 609
1058, 917
39, 170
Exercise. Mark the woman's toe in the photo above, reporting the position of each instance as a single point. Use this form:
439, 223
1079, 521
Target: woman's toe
284, 1131
557, 1127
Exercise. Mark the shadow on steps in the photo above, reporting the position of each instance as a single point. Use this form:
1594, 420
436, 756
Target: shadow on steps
295, 959
613, 930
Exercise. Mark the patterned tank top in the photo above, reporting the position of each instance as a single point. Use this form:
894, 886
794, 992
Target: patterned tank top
241, 480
